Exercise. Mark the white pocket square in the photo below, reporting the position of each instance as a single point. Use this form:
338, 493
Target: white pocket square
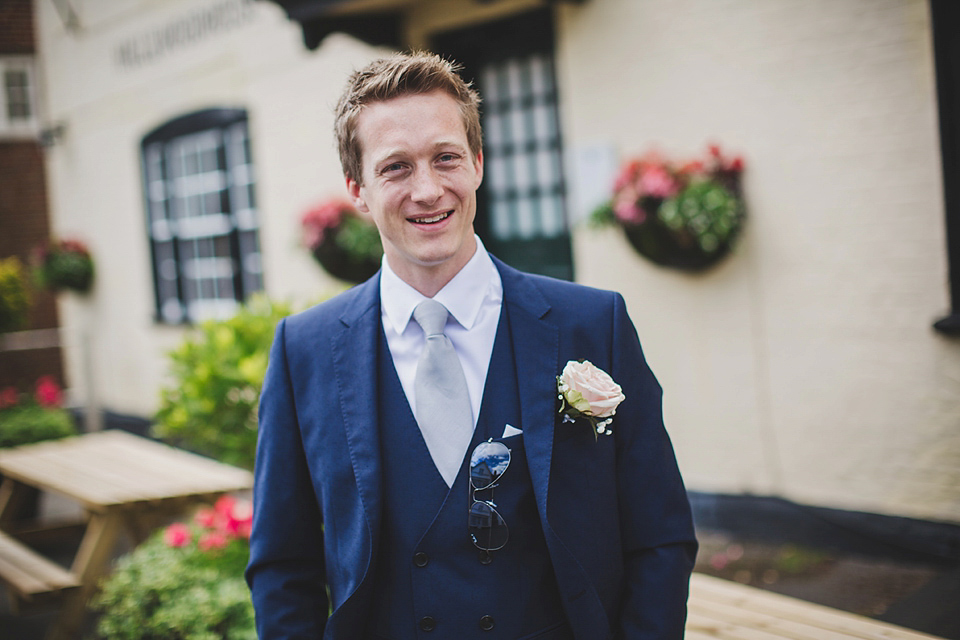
510, 431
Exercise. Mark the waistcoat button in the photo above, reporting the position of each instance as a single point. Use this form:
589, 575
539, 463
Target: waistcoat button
421, 559
427, 623
486, 623
485, 557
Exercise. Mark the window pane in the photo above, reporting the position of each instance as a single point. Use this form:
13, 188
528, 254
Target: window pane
203, 181
17, 85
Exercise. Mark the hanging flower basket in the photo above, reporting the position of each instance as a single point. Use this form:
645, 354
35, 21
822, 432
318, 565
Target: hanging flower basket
345, 244
686, 217
64, 265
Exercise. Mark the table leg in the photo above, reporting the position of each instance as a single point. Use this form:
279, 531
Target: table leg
13, 496
91, 562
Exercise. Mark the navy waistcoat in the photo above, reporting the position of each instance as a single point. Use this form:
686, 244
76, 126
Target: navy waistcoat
431, 582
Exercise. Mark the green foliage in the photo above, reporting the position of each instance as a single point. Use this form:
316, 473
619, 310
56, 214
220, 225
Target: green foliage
602, 216
65, 264
218, 372
159, 592
706, 211
26, 424
14, 297
359, 238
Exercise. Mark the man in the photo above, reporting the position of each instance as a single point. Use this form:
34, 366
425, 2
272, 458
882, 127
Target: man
500, 519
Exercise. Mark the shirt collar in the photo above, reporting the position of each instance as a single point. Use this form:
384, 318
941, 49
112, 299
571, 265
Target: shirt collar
463, 296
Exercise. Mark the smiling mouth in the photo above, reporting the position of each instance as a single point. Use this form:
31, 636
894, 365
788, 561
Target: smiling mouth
432, 219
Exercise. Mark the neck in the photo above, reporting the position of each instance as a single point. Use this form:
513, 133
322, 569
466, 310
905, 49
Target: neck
430, 279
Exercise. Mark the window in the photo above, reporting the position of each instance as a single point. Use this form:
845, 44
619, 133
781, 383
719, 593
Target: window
521, 149
17, 92
201, 215
521, 213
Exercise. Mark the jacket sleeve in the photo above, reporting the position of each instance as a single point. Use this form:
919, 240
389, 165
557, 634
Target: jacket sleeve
657, 534
286, 569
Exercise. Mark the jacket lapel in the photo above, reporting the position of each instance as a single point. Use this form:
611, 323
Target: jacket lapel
536, 343
536, 348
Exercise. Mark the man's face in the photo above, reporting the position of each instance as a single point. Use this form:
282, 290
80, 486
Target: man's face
419, 183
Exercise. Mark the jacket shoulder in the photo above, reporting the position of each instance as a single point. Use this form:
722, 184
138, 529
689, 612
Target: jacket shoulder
340, 310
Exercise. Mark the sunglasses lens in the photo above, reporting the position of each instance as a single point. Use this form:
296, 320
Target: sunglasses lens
487, 464
487, 529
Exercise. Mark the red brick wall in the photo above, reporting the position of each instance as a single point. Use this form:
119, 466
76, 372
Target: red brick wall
24, 223
24, 220
16, 27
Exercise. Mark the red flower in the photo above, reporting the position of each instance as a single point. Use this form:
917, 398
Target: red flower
48, 392
8, 397
212, 540
177, 535
73, 246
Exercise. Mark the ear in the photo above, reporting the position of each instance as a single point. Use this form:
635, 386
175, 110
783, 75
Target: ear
478, 163
355, 191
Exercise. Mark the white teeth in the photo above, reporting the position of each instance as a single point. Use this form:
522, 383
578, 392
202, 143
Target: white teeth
436, 218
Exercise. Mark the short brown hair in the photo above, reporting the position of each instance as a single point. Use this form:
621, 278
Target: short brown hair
393, 77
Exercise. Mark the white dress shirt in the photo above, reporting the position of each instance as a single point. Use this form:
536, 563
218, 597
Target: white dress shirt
473, 297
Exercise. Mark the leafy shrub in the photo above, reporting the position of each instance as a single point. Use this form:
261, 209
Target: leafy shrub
211, 407
14, 297
25, 420
185, 581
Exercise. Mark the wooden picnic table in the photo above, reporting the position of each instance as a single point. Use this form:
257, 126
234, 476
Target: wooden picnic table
124, 483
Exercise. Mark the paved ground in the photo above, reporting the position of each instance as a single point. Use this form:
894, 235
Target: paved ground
921, 596
913, 594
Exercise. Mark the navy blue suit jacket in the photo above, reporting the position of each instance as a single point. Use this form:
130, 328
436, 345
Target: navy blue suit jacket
614, 511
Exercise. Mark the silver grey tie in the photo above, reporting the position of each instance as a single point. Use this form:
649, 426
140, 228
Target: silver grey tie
443, 403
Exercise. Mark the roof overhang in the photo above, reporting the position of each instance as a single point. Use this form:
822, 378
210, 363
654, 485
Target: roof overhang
376, 22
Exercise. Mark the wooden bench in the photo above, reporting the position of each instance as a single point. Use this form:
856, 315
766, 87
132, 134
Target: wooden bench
31, 577
126, 484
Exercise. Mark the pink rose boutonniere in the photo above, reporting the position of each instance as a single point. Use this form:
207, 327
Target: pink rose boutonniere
586, 391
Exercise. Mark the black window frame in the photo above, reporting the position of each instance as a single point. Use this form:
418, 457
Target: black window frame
244, 280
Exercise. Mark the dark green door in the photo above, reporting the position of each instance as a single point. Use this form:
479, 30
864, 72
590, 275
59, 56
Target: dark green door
521, 214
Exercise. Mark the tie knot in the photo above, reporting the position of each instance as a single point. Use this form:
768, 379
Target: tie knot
431, 316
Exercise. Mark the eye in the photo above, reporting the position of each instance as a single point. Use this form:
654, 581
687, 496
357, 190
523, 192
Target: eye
392, 168
447, 157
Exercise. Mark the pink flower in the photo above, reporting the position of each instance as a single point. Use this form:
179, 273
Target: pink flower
8, 397
589, 389
224, 505
322, 217
656, 182
177, 535
240, 519
48, 392
627, 208
212, 540
244, 529
205, 517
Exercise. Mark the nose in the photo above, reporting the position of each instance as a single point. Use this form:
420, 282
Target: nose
426, 188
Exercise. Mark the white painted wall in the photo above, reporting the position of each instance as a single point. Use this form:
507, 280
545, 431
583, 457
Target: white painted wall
94, 173
803, 366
